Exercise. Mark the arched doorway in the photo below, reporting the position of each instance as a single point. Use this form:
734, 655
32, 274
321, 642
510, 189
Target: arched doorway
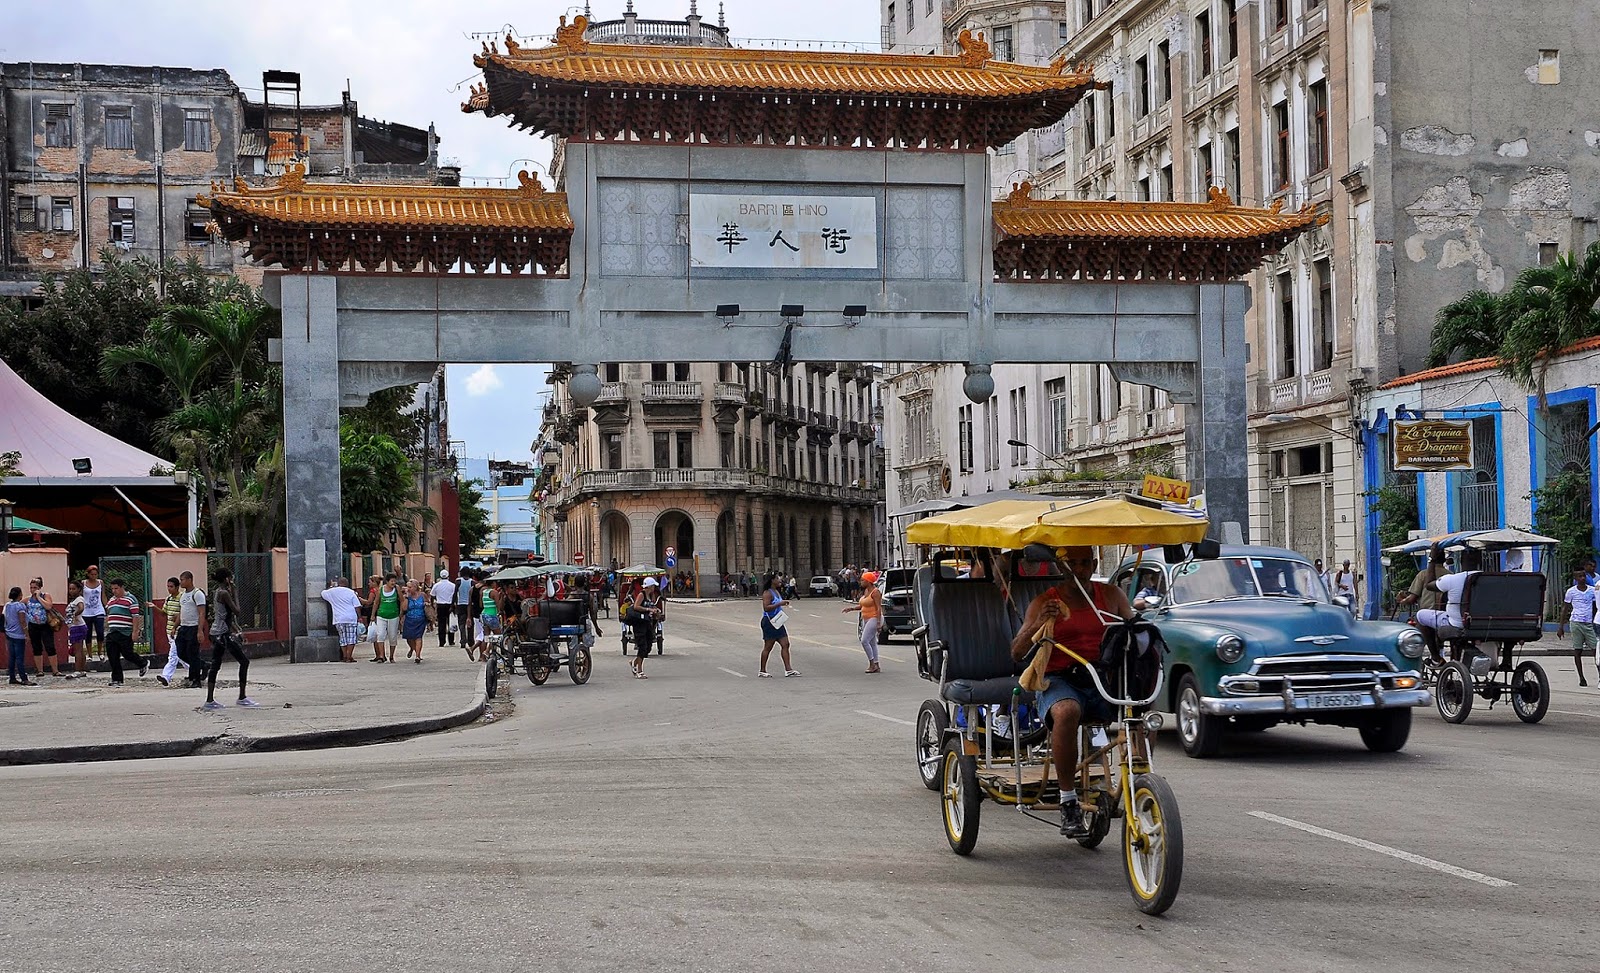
674, 528
727, 545
616, 541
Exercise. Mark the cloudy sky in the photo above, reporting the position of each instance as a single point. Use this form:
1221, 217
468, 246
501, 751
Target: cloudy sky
404, 60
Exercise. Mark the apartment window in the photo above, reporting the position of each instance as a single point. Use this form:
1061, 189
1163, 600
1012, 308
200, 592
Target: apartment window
929, 8
120, 211
1318, 109
1166, 182
61, 214
1280, 126
1163, 72
890, 30
58, 126
1231, 7
613, 371
1055, 393
1144, 189
964, 438
991, 433
197, 129
685, 449
911, 14
658, 371
1091, 133
26, 209
1549, 253
1287, 357
611, 451
661, 450
1234, 180
1019, 425
680, 371
196, 223
1323, 271
1279, 10
1063, 30
724, 369
1202, 32
1549, 67
119, 127
1111, 110
1004, 48
1141, 87
1204, 167
1107, 394
726, 441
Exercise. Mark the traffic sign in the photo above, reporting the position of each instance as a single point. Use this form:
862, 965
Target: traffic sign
577, 557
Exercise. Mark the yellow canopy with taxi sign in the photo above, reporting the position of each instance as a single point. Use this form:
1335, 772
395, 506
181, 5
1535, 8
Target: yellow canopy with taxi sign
1013, 524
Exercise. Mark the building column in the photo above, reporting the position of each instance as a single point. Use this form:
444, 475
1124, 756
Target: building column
313, 519
1215, 435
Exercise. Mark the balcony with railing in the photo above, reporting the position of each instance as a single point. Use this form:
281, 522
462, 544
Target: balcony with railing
611, 393
634, 480
672, 391
729, 392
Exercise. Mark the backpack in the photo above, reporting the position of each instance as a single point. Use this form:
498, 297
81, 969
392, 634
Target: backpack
1135, 650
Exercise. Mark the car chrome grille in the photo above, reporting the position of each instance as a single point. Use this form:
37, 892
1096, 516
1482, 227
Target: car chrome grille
1294, 665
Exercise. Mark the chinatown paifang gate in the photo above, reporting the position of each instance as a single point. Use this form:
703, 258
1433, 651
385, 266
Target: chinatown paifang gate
849, 190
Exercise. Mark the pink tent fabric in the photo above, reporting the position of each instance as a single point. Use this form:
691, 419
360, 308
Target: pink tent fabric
49, 438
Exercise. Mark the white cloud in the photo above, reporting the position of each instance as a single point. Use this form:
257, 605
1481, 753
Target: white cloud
483, 381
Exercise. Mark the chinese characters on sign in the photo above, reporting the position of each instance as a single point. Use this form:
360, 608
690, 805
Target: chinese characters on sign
1432, 446
779, 232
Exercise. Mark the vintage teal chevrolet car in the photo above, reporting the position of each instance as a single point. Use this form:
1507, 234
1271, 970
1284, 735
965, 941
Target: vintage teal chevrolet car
1256, 640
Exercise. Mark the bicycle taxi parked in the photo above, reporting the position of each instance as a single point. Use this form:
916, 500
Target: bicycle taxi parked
548, 634
983, 738
1501, 610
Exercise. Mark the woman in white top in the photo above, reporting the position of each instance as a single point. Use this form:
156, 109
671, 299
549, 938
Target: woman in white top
94, 610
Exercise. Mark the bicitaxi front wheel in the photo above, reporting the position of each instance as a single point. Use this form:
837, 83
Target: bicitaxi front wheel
963, 799
1152, 844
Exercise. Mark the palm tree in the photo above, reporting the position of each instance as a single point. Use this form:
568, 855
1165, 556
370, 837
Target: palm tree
1546, 310
1471, 326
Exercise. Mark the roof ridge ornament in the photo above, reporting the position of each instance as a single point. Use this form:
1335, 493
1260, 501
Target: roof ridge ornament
293, 179
1021, 193
529, 183
512, 47
1220, 198
975, 50
569, 37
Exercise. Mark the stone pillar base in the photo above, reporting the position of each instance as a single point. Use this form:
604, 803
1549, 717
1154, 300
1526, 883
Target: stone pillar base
315, 648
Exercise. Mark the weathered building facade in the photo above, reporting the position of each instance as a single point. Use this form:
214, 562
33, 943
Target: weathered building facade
1442, 142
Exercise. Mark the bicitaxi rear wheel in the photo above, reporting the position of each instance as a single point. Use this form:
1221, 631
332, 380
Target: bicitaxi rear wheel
1530, 692
932, 721
1453, 692
1152, 844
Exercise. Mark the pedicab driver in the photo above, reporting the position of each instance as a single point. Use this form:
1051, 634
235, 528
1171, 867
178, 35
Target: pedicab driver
1451, 586
1069, 694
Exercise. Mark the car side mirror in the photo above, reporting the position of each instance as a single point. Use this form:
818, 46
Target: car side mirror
1174, 553
1341, 601
1208, 549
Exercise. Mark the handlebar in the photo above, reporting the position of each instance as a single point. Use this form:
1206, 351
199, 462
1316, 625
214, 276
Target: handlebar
1100, 687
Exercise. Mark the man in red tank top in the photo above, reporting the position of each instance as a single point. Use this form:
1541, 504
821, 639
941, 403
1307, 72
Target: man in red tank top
1073, 611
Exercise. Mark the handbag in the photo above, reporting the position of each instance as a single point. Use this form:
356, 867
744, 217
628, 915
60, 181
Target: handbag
778, 619
55, 620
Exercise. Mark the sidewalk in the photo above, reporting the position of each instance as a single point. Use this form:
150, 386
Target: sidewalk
301, 706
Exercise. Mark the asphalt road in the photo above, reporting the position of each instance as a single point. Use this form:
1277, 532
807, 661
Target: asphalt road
707, 820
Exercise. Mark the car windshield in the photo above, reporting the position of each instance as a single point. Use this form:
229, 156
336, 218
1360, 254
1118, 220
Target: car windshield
821, 579
1246, 577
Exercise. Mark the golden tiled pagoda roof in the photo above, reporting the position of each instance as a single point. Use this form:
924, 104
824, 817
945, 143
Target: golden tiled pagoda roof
744, 94
1110, 239
298, 225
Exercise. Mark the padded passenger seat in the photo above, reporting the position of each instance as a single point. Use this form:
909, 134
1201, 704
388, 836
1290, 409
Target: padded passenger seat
976, 627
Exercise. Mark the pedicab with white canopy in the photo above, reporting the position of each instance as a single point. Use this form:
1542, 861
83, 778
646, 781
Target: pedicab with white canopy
982, 739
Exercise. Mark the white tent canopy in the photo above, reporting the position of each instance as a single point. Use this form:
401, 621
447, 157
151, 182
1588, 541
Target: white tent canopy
50, 438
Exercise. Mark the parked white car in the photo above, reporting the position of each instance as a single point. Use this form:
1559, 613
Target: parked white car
823, 585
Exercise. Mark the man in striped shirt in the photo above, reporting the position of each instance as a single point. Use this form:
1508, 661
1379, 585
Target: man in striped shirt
124, 622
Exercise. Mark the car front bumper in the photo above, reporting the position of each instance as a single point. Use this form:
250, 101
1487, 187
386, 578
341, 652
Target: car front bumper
1304, 704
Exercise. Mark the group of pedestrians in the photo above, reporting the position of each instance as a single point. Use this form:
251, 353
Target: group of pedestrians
106, 617
396, 609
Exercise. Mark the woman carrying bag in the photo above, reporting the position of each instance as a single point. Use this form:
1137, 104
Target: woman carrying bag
775, 626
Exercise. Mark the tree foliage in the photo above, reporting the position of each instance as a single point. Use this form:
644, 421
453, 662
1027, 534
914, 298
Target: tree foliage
378, 483
10, 464
1562, 510
474, 520
1468, 327
56, 347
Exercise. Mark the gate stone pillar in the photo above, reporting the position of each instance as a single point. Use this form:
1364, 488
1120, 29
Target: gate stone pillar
313, 522
1215, 436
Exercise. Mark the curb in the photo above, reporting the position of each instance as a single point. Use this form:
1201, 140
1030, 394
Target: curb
228, 743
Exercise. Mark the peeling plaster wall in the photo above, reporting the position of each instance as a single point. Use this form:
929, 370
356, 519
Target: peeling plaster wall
1487, 164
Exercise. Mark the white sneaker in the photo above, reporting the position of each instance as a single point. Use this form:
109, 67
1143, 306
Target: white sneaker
212, 704
764, 674
247, 701
791, 672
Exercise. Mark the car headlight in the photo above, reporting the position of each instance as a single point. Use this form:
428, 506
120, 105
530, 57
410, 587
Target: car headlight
1410, 643
1230, 648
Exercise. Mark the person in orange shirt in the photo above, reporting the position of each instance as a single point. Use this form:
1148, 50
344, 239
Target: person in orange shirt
870, 605
1075, 611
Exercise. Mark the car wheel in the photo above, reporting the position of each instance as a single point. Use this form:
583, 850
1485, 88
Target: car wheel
1386, 731
1200, 733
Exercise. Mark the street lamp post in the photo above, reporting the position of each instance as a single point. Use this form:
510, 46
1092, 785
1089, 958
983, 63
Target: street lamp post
7, 508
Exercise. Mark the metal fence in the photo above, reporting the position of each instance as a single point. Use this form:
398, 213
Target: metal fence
1478, 506
252, 587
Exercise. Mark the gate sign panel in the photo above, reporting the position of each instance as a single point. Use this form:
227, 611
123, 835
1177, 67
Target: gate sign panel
783, 232
1431, 446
